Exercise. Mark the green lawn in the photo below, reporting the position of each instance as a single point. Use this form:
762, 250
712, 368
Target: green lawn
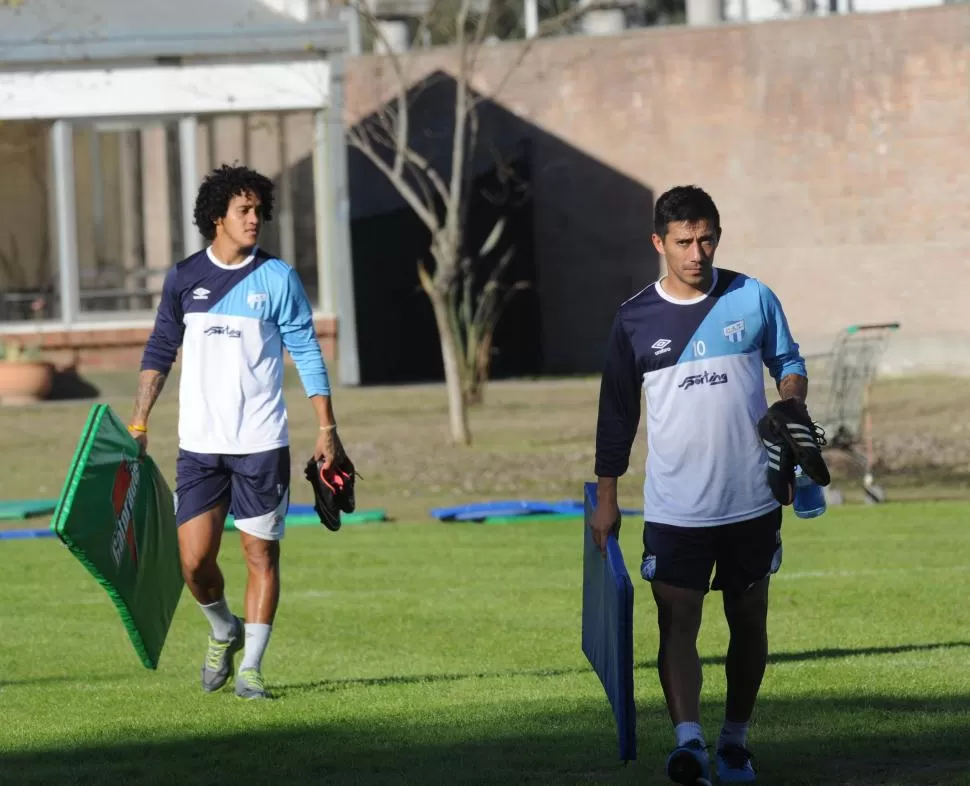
441, 654
415, 652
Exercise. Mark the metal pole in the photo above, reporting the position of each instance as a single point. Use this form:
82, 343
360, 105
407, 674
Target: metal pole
531, 18
189, 175
65, 210
703, 12
351, 15
287, 230
97, 196
343, 264
323, 210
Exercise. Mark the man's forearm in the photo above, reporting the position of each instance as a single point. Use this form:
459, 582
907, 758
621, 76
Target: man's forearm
323, 406
793, 386
150, 384
606, 490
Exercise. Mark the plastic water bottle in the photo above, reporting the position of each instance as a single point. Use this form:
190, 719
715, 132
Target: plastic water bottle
809, 497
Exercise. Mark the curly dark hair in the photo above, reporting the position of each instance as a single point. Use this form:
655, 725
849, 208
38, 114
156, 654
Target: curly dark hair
684, 203
218, 189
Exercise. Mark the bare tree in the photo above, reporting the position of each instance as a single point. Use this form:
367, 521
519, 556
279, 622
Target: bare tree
465, 315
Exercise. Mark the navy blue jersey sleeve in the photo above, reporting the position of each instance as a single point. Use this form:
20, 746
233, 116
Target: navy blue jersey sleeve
619, 405
163, 344
299, 336
780, 351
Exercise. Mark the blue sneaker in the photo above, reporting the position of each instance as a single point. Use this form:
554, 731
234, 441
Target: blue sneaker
688, 765
734, 765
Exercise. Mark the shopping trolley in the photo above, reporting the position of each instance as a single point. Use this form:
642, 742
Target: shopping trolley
839, 391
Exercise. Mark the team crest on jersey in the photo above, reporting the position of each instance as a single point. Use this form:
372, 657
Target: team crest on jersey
256, 299
734, 331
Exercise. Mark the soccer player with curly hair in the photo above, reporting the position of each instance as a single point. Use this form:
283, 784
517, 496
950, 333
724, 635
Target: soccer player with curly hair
232, 308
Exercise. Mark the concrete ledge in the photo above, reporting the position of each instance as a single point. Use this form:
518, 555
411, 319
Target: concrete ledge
108, 348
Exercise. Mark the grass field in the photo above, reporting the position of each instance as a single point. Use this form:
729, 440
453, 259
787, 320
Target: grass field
450, 654
416, 652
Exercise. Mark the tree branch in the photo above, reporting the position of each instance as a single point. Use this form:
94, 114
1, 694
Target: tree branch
546, 27
356, 137
419, 163
453, 214
401, 124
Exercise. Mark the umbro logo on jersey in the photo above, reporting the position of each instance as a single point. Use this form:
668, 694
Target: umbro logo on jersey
200, 294
661, 345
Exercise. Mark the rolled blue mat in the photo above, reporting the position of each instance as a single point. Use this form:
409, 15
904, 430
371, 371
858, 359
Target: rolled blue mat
479, 511
25, 534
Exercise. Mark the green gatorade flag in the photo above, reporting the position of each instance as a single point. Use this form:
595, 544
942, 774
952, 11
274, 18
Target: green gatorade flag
116, 514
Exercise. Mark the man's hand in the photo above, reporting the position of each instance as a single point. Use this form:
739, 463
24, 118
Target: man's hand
604, 520
329, 448
606, 514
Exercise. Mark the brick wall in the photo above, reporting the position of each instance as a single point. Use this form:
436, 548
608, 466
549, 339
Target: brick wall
837, 149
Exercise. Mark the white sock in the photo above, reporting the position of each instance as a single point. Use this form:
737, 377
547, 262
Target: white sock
688, 731
220, 619
733, 733
257, 637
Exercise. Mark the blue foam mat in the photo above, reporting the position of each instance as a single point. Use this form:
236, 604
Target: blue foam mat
607, 639
477, 511
25, 534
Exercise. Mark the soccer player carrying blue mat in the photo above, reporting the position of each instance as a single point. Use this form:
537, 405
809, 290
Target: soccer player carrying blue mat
232, 308
720, 464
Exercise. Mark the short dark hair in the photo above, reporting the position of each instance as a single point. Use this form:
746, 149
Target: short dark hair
218, 189
684, 203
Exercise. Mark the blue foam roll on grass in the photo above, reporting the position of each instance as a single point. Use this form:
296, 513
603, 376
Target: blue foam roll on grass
348, 519
510, 511
26, 534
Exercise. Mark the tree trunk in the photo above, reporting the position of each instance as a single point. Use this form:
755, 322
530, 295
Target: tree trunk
457, 407
481, 367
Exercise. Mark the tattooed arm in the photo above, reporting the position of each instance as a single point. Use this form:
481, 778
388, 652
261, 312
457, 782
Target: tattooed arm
793, 386
160, 353
150, 384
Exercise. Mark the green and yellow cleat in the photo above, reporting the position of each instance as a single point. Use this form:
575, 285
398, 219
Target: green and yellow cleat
250, 685
217, 667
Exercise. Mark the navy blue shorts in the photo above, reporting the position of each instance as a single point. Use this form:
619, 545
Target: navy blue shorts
256, 486
743, 553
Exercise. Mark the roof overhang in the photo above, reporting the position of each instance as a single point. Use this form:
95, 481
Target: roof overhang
282, 68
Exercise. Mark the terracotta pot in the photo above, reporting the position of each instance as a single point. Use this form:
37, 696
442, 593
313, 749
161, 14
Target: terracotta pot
25, 382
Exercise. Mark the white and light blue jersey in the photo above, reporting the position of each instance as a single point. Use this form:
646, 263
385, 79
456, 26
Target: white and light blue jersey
232, 323
701, 365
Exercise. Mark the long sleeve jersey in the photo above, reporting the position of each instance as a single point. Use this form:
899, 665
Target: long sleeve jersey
231, 323
700, 363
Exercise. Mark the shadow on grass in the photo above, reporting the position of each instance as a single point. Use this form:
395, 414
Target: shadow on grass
68, 385
849, 740
60, 678
332, 686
